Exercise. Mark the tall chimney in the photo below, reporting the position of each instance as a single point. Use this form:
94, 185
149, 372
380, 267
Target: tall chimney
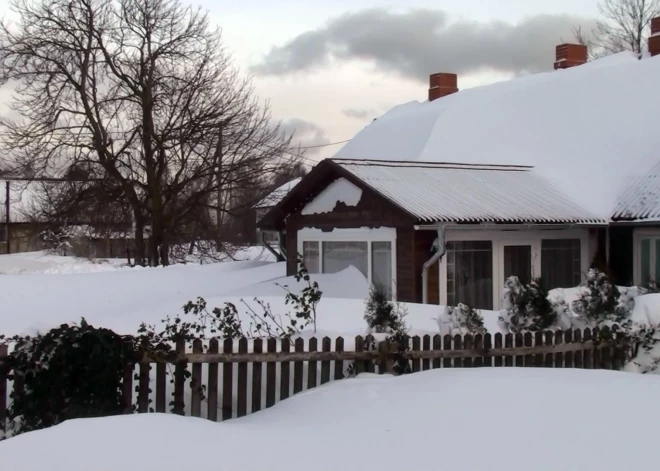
570, 55
442, 85
654, 39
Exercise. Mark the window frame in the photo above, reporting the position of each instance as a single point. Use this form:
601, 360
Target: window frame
382, 234
502, 238
638, 236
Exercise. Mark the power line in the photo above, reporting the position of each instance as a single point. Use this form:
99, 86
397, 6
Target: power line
324, 145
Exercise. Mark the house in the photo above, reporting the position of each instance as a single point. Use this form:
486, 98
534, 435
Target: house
394, 220
23, 230
546, 174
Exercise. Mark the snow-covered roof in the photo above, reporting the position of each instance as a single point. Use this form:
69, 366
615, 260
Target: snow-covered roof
276, 196
446, 192
583, 128
640, 198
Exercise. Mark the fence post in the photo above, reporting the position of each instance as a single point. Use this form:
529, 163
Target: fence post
3, 387
386, 360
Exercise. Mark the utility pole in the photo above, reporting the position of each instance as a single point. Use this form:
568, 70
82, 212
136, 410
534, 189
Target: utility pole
7, 206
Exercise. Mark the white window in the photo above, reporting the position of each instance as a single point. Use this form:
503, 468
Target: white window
371, 251
478, 262
647, 256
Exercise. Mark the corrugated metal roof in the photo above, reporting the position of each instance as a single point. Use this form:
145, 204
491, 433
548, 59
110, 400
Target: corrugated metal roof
276, 195
446, 192
640, 198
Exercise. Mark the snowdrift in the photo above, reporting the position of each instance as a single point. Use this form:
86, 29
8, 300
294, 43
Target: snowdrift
530, 419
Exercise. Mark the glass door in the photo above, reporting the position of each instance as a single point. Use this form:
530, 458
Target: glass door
518, 262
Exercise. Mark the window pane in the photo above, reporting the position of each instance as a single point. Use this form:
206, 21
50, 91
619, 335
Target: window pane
338, 256
646, 261
471, 274
311, 256
518, 262
381, 266
560, 263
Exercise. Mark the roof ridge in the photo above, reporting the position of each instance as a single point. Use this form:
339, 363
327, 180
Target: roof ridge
426, 164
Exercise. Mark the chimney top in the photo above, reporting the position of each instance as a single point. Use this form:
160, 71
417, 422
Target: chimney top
654, 40
570, 55
442, 84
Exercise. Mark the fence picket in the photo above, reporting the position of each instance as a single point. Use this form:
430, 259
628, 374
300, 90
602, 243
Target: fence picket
426, 345
605, 353
568, 356
358, 365
497, 361
437, 345
539, 339
488, 344
326, 346
228, 383
196, 383
467, 345
161, 387
519, 342
446, 345
257, 347
285, 368
312, 365
529, 341
144, 390
577, 356
549, 357
212, 391
127, 388
588, 357
3, 387
559, 357
271, 374
298, 367
416, 347
458, 345
179, 380
339, 364
478, 346
508, 343
241, 393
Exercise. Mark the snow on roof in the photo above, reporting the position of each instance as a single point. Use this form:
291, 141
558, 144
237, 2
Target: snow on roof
445, 192
583, 128
640, 198
276, 196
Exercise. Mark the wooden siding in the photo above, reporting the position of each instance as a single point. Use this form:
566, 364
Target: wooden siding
422, 252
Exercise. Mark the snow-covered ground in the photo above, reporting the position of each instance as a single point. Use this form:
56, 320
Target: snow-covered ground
529, 419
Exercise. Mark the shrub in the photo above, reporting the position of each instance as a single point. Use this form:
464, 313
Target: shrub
72, 371
600, 300
461, 320
527, 308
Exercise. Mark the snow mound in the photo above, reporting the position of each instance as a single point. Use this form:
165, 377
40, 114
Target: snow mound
349, 284
572, 125
424, 421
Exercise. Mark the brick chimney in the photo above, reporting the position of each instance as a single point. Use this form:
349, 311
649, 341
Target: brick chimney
570, 55
442, 85
654, 39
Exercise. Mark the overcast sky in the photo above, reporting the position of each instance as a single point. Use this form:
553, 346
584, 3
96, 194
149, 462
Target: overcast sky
329, 68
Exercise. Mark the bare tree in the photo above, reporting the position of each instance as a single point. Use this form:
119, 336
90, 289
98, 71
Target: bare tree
142, 94
623, 25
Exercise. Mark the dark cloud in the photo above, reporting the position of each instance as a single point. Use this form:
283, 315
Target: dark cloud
423, 41
305, 134
359, 113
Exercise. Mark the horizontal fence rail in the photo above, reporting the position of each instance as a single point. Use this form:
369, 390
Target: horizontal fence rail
233, 378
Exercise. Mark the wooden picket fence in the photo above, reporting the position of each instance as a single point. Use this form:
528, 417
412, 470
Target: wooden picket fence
259, 373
